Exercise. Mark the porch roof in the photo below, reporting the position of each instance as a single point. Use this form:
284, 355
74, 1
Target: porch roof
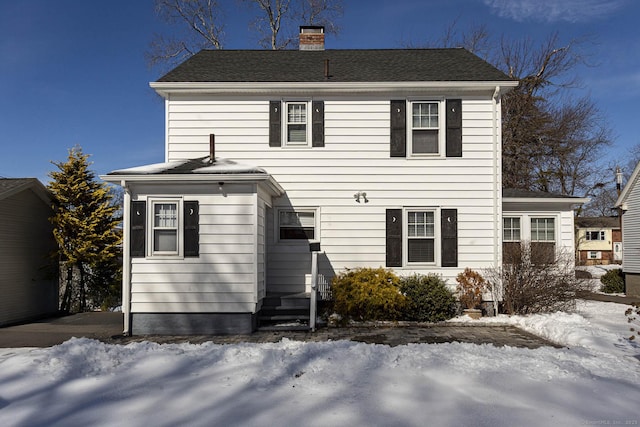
199, 169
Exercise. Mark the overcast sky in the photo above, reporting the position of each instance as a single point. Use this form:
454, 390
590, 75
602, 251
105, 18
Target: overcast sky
73, 72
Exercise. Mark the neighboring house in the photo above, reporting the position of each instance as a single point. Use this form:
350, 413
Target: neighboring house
28, 273
599, 240
628, 205
383, 157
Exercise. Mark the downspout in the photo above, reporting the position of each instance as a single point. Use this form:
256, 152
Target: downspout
126, 260
497, 186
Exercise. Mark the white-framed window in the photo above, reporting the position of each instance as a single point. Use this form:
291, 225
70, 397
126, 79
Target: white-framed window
166, 222
511, 229
511, 239
595, 235
594, 255
425, 131
543, 240
297, 130
421, 232
299, 224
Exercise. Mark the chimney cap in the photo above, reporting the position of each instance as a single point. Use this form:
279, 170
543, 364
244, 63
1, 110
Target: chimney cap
312, 29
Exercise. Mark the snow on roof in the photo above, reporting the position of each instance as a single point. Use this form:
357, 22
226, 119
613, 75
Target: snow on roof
202, 165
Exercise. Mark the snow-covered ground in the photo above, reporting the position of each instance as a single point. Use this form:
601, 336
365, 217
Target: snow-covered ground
595, 380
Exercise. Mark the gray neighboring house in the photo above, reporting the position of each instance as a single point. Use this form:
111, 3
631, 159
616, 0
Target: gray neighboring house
28, 274
628, 205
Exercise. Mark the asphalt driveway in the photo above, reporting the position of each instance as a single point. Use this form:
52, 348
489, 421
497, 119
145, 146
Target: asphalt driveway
48, 332
107, 327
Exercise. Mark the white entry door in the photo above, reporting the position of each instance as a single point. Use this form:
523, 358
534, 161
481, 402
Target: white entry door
617, 251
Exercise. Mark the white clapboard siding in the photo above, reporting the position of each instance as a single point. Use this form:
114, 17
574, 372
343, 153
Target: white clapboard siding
223, 277
27, 273
631, 231
355, 158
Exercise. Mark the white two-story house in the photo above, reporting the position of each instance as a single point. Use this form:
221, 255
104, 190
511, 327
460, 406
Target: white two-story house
385, 158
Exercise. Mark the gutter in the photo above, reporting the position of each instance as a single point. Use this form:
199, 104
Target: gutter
126, 260
165, 88
497, 185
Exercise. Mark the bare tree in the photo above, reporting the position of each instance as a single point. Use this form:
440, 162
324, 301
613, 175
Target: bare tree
269, 23
550, 141
198, 25
278, 20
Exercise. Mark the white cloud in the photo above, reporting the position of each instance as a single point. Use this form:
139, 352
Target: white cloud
554, 10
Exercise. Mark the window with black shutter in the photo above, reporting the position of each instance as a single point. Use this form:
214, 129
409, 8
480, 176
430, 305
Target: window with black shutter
191, 229
394, 238
296, 124
137, 235
431, 124
449, 236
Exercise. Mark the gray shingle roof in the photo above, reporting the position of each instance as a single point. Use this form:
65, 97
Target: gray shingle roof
598, 222
518, 194
10, 186
361, 65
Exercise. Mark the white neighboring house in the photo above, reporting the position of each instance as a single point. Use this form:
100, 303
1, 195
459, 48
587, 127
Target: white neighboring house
628, 205
28, 272
382, 157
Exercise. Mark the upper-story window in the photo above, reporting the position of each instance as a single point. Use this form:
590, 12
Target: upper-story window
595, 235
425, 128
296, 123
297, 129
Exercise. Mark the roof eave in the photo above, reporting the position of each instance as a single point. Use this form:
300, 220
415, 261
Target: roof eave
123, 179
547, 200
31, 183
265, 88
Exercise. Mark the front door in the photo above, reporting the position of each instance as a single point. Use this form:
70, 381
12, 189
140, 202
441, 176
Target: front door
617, 251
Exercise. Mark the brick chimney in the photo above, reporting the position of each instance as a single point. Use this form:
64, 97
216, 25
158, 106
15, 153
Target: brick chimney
311, 37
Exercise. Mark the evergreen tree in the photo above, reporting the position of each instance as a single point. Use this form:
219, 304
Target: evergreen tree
85, 223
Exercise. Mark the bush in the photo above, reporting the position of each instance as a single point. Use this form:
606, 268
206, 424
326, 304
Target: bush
428, 298
530, 283
368, 294
612, 282
471, 286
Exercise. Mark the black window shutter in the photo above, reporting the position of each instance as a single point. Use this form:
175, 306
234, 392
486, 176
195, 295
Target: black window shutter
454, 128
394, 238
138, 219
398, 128
275, 127
449, 232
191, 229
317, 120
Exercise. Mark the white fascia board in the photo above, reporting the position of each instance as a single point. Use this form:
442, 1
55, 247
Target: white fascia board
122, 180
622, 198
549, 200
266, 88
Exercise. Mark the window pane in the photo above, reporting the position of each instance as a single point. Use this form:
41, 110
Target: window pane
297, 113
425, 141
420, 224
425, 114
421, 250
543, 230
165, 241
511, 229
297, 225
165, 215
297, 133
